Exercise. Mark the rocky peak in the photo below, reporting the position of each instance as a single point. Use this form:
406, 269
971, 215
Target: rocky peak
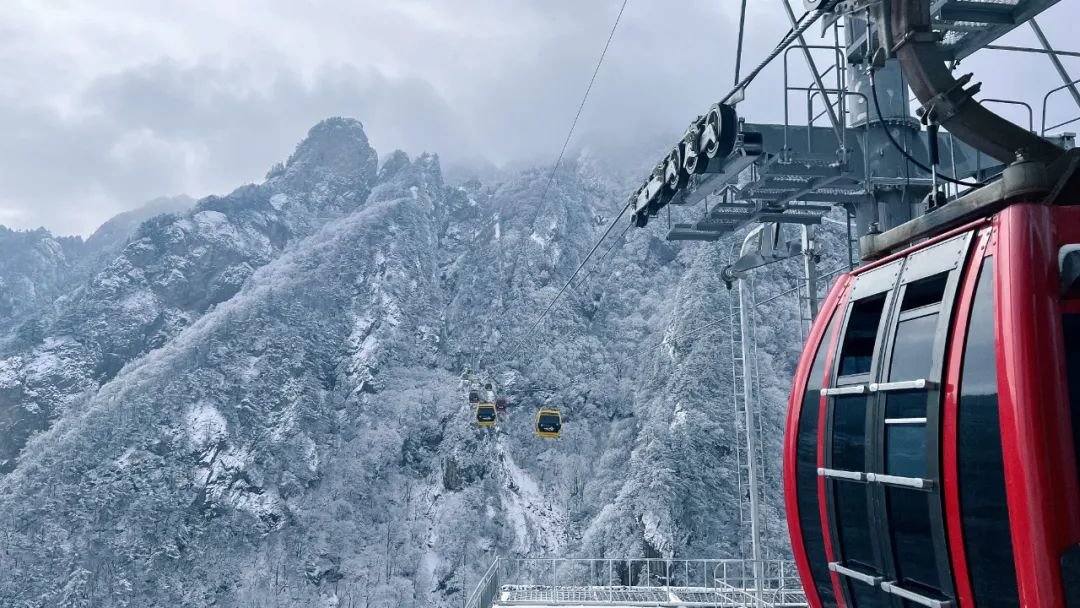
393, 165
35, 268
399, 177
335, 150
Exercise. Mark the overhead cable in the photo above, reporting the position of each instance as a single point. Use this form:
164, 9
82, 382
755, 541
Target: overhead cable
581, 107
551, 305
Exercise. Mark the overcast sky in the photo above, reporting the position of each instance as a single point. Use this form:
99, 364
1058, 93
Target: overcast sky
106, 105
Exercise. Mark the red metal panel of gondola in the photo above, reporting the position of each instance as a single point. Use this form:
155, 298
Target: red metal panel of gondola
950, 469
1044, 503
820, 486
822, 333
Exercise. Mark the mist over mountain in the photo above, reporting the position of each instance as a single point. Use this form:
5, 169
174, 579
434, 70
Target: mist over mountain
256, 400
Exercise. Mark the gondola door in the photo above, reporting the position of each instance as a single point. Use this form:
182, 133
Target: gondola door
881, 437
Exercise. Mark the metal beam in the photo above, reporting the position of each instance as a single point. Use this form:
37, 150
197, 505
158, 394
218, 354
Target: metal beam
689, 234
788, 218
1068, 80
834, 197
1027, 49
979, 12
1026, 179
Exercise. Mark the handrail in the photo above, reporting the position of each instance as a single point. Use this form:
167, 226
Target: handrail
841, 85
651, 582
1046, 98
487, 590
1013, 102
811, 94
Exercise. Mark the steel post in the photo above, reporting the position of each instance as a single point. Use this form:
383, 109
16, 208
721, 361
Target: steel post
809, 248
745, 319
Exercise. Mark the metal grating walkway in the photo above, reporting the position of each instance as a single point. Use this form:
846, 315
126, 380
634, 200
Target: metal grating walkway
576, 595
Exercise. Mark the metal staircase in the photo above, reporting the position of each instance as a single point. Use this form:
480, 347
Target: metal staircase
739, 402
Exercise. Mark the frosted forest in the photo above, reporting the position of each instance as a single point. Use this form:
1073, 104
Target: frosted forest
256, 399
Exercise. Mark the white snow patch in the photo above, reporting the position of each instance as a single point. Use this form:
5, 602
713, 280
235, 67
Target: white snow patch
124, 461
679, 418
9, 375
279, 200
220, 480
363, 343
531, 514
216, 223
252, 370
311, 454
205, 425
210, 219
427, 333
46, 360
43, 362
653, 533
141, 300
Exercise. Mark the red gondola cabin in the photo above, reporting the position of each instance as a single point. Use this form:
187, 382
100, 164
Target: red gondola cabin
931, 452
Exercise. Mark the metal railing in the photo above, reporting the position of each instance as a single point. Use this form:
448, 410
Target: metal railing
1046, 98
637, 582
487, 590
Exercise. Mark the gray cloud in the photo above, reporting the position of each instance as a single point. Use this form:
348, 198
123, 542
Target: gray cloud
112, 106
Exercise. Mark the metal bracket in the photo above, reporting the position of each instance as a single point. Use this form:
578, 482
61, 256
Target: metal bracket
915, 36
948, 103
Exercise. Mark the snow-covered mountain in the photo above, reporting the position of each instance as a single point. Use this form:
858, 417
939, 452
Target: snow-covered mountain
258, 402
37, 268
107, 241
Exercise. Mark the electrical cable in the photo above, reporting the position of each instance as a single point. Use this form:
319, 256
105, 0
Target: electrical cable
721, 320
739, 48
604, 257
803, 24
899, 148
